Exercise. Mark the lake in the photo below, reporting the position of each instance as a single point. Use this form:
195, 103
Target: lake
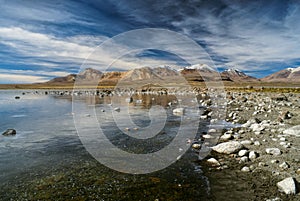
51, 156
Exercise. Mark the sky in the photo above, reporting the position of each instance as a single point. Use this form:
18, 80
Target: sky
42, 39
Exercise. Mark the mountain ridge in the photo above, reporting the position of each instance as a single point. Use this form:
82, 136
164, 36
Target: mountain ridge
196, 73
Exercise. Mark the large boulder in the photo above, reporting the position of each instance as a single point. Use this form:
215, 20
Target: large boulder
9, 132
228, 147
288, 186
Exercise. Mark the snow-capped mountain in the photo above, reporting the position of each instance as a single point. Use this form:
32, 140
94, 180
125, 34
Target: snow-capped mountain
200, 67
237, 75
285, 75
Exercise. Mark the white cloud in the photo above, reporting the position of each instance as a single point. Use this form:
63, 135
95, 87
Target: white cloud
12, 78
36, 72
39, 48
42, 45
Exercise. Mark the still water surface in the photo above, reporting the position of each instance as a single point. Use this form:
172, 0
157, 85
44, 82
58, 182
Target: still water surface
47, 161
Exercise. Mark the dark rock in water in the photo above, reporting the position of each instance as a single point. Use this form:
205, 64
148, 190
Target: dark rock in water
9, 132
17, 97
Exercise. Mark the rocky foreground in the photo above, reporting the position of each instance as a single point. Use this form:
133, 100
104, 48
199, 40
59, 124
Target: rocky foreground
267, 140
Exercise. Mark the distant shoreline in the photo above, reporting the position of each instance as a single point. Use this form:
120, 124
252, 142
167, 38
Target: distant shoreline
229, 86
137, 84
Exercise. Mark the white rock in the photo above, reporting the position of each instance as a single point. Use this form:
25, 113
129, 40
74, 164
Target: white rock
273, 151
252, 155
295, 130
284, 166
242, 152
288, 186
226, 137
212, 130
117, 109
257, 143
246, 142
262, 164
178, 111
245, 169
196, 146
207, 136
274, 161
213, 162
257, 127
203, 117
282, 139
282, 143
244, 159
274, 199
257, 132
228, 147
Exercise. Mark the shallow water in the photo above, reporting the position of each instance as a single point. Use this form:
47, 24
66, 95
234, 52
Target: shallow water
47, 160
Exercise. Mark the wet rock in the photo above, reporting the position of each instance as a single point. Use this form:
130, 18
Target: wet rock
196, 146
117, 109
9, 132
288, 186
273, 151
178, 111
228, 147
295, 130
212, 130
207, 136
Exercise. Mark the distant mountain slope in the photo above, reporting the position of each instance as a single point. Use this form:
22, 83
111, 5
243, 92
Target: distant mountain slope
201, 73
285, 75
62, 80
237, 76
90, 74
147, 73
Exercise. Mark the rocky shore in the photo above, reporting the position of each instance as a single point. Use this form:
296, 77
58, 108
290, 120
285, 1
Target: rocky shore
265, 145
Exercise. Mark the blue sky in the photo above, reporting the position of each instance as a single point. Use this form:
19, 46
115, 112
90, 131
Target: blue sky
40, 40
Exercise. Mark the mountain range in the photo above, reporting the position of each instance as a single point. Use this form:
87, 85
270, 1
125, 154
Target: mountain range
195, 73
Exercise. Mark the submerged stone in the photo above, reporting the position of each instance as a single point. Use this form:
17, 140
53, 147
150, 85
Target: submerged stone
9, 132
